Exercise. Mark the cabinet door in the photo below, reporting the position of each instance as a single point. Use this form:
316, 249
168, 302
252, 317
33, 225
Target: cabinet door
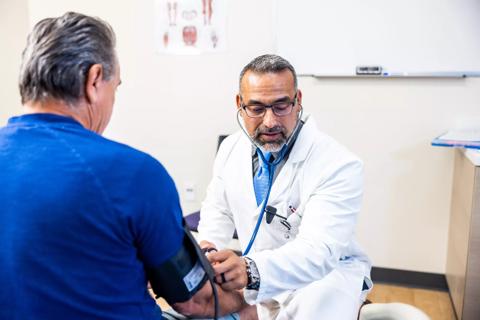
459, 230
471, 305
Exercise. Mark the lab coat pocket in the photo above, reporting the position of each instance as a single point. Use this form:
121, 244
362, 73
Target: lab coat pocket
294, 219
289, 220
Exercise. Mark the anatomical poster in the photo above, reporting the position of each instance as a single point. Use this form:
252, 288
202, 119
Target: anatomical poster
190, 26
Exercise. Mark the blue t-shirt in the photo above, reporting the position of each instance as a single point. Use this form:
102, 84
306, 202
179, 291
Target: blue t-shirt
81, 217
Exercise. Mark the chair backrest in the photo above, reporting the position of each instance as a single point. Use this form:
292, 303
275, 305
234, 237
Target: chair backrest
391, 311
220, 139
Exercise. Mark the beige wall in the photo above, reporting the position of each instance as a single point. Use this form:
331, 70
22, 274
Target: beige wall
13, 30
175, 106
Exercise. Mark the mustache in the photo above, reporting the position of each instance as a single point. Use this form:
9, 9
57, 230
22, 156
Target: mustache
277, 129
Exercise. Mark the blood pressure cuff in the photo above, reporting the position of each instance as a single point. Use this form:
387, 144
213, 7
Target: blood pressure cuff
181, 276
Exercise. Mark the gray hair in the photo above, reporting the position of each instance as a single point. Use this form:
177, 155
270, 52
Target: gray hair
268, 63
59, 53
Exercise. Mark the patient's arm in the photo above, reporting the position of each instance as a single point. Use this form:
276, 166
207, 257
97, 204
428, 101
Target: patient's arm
202, 303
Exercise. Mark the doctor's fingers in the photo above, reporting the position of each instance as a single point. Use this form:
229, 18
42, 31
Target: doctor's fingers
234, 280
232, 272
222, 256
227, 262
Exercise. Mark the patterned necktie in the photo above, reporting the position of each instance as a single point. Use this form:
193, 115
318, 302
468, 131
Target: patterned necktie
261, 178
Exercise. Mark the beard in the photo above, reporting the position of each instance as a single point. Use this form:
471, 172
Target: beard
274, 145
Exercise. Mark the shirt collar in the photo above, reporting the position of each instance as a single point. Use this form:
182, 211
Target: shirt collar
46, 118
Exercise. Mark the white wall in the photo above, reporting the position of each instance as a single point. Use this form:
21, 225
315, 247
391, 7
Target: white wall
389, 123
175, 106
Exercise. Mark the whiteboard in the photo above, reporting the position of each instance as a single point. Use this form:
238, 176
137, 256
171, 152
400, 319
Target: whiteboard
404, 37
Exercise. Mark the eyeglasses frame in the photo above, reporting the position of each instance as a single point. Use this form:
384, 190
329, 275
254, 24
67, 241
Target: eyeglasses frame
271, 106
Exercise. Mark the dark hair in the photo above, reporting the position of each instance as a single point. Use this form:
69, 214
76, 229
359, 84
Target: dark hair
59, 53
268, 63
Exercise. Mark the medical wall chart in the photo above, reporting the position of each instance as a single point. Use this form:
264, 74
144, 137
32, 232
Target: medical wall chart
190, 26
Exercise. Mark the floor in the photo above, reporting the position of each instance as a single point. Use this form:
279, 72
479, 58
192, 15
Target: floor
436, 304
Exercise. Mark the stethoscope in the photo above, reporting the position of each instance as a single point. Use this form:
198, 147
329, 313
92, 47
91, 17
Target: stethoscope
271, 169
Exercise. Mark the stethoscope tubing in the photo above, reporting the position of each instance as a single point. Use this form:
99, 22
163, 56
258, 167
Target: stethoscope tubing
271, 168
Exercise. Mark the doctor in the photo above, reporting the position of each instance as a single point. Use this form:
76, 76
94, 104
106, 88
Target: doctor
300, 258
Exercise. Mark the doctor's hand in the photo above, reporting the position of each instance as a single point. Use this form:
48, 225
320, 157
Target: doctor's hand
230, 269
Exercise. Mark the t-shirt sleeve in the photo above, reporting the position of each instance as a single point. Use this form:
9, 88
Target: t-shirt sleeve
157, 224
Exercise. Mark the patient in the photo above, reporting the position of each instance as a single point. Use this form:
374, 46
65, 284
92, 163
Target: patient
85, 221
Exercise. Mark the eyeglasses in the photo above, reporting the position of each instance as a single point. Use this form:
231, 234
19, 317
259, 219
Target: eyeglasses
280, 109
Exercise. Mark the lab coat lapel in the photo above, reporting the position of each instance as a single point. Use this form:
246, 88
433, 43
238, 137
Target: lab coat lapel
282, 181
245, 171
299, 153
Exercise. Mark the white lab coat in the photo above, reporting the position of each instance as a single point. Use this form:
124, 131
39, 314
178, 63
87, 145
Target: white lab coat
321, 181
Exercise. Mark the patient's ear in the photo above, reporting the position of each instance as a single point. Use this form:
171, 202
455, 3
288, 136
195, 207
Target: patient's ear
93, 82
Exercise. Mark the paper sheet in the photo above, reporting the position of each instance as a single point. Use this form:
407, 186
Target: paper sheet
462, 135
